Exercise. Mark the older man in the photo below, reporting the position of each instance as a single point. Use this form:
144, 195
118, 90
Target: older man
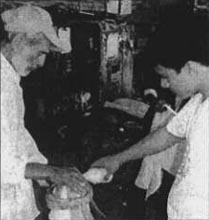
31, 36
185, 76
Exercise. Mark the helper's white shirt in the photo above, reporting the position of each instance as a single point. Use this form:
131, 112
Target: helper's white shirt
189, 196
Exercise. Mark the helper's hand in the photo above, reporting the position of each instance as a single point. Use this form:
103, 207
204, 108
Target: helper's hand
110, 163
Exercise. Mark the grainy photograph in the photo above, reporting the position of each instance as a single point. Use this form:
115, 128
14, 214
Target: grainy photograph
104, 109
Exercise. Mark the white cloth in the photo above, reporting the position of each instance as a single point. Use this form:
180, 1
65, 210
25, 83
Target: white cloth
150, 174
17, 149
189, 195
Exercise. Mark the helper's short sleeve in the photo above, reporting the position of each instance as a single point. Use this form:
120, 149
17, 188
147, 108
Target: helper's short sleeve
179, 125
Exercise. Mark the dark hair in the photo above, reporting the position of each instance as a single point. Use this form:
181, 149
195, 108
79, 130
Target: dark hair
189, 41
3, 32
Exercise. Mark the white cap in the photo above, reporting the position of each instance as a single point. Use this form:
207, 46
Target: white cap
32, 19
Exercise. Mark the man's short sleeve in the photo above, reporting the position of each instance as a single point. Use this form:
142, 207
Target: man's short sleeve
179, 124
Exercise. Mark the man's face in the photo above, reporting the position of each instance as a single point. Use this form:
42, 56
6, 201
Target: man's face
182, 84
32, 57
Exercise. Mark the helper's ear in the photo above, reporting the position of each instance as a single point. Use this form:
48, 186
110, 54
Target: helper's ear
194, 67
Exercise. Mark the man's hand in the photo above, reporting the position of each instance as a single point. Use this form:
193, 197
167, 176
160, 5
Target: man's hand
110, 163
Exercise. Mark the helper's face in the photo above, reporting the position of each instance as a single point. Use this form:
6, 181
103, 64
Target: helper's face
33, 57
182, 84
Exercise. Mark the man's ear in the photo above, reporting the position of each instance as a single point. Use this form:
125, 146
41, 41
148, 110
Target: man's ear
18, 42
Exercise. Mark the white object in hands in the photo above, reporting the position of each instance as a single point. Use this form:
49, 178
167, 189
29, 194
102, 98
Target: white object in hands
97, 175
60, 215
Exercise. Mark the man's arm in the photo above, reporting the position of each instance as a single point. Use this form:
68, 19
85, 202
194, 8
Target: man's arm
37, 171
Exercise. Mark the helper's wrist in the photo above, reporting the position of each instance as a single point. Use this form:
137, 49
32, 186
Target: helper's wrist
120, 159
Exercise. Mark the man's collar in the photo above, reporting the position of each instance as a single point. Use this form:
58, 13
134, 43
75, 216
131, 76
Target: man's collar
5, 64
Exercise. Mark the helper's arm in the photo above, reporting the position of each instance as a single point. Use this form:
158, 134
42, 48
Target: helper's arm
155, 142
